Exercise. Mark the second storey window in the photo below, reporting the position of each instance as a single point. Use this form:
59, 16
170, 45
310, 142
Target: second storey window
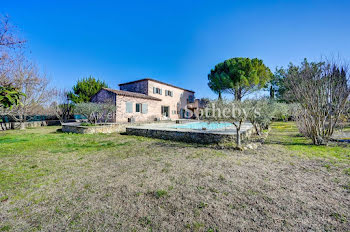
190, 99
168, 93
138, 107
157, 90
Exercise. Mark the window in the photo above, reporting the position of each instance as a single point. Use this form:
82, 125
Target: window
157, 90
190, 99
138, 107
168, 93
141, 108
128, 107
182, 113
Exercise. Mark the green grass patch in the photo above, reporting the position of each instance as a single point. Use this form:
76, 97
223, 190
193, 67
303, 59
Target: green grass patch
28, 156
160, 193
287, 134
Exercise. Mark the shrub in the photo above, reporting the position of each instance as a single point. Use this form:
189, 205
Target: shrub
322, 89
281, 111
259, 113
95, 112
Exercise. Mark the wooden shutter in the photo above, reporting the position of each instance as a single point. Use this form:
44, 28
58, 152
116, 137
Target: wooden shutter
144, 108
128, 107
154, 90
160, 91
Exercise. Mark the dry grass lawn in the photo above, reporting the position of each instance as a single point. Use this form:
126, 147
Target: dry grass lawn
53, 181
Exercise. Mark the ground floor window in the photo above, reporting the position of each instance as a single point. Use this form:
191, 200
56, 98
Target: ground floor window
128, 107
182, 113
165, 111
139, 107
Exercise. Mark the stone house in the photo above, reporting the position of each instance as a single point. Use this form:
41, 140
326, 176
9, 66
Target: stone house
148, 99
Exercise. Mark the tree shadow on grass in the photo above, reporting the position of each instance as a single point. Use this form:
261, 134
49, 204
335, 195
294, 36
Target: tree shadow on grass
287, 143
289, 139
12, 140
176, 144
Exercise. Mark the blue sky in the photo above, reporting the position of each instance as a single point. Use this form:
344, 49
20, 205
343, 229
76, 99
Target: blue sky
174, 41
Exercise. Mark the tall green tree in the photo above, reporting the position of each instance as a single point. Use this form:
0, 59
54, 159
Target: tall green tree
277, 86
239, 76
217, 82
85, 89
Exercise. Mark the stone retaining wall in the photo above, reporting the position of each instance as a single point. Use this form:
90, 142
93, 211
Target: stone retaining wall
187, 136
106, 128
17, 125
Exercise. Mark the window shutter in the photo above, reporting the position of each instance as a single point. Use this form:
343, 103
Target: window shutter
128, 107
154, 89
166, 92
144, 108
160, 91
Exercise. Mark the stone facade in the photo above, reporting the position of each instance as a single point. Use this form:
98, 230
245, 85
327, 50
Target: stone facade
163, 101
121, 101
137, 87
104, 96
176, 102
153, 109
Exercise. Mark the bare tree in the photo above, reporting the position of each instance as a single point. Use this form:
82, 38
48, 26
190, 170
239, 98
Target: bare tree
60, 106
322, 90
8, 34
10, 45
35, 86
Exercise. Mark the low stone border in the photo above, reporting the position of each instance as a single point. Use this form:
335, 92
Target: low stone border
105, 128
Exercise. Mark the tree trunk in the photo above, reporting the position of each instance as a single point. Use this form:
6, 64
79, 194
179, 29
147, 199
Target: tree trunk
220, 97
238, 94
257, 129
238, 137
22, 126
272, 92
